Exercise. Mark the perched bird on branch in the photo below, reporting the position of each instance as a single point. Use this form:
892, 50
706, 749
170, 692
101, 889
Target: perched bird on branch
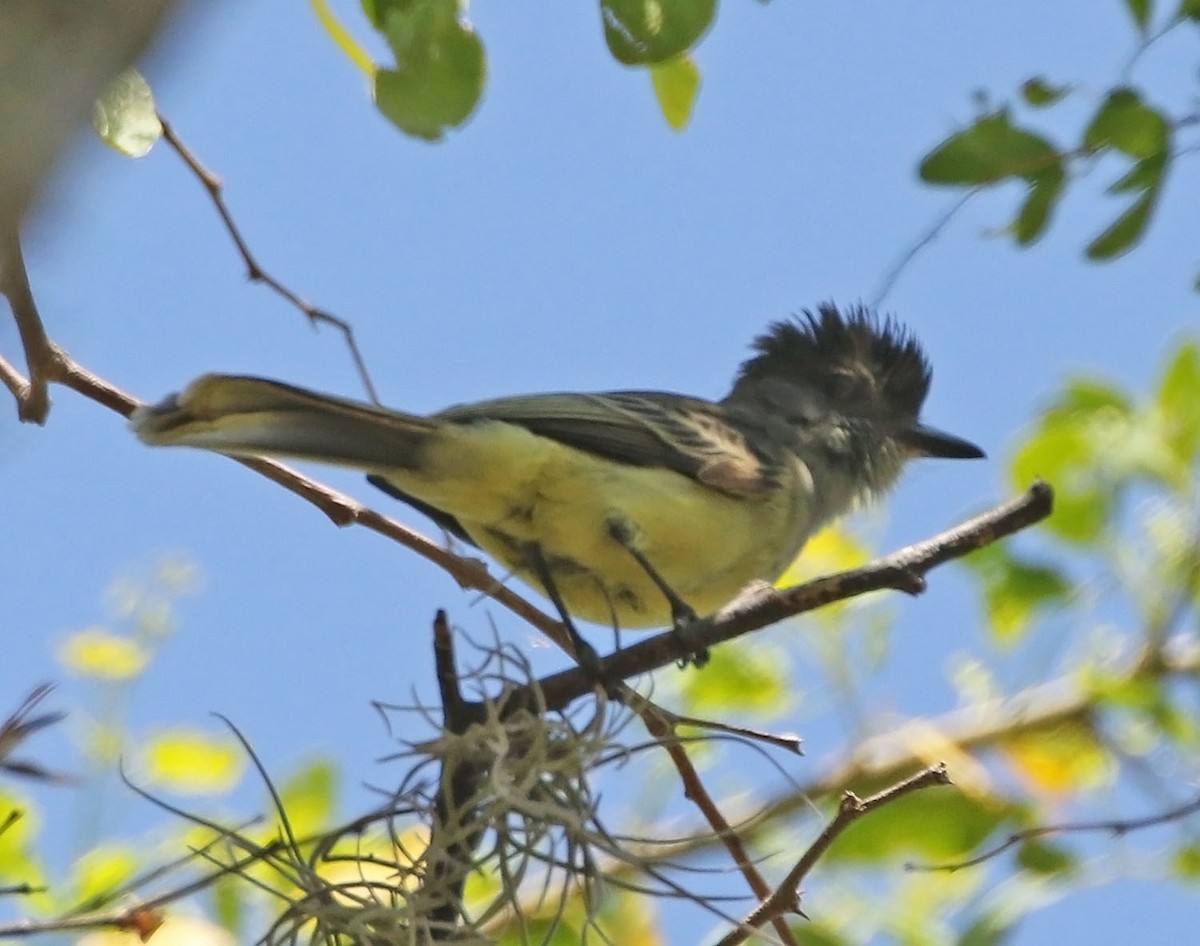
628, 508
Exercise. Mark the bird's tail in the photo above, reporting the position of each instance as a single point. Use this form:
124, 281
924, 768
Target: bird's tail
247, 416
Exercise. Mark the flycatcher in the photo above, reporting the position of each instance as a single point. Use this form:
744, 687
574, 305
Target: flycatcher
629, 508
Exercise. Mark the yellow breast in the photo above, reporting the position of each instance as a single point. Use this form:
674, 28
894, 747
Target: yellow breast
509, 488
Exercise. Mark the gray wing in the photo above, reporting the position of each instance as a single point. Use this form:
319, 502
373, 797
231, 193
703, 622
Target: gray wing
642, 428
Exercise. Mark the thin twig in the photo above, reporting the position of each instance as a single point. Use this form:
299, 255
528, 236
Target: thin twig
786, 898
125, 920
32, 395
932, 232
341, 509
960, 733
1115, 827
789, 742
662, 726
212, 184
16, 383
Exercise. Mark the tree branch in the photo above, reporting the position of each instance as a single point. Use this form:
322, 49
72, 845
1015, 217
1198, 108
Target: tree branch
1117, 827
903, 570
893, 755
786, 898
255, 272
32, 395
661, 724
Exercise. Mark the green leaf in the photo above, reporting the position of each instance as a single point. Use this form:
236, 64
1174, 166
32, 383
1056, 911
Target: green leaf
988, 930
939, 824
1044, 191
642, 32
125, 117
553, 932
1179, 402
1142, 175
1039, 93
1186, 862
229, 902
1139, 10
377, 10
309, 796
1124, 122
440, 67
1125, 231
991, 150
1062, 453
749, 677
97, 652
625, 916
1090, 444
1189, 10
1151, 712
676, 83
1137, 693
1041, 857
1176, 724
101, 871
1089, 399
1015, 590
192, 762
817, 933
19, 842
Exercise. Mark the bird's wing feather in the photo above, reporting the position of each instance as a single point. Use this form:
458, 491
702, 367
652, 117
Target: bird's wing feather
641, 428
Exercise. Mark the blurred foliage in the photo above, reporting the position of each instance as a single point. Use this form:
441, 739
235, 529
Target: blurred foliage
187, 761
182, 760
750, 677
1126, 128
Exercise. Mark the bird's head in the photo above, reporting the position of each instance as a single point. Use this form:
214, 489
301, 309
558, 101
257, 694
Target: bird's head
851, 384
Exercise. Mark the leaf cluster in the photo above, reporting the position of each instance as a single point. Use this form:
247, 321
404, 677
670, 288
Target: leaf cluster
1125, 127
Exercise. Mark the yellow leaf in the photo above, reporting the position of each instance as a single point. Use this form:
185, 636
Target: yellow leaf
743, 676
97, 652
830, 550
1060, 761
193, 762
676, 83
102, 870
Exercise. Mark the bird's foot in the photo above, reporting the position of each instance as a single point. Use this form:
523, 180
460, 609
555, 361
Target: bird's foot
590, 661
685, 626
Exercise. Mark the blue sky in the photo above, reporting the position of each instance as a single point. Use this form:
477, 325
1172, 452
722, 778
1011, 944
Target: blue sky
566, 239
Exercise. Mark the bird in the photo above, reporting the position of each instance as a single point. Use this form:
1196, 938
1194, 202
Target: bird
631, 509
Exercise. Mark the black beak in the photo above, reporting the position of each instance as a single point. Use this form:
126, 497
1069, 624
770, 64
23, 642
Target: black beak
930, 442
